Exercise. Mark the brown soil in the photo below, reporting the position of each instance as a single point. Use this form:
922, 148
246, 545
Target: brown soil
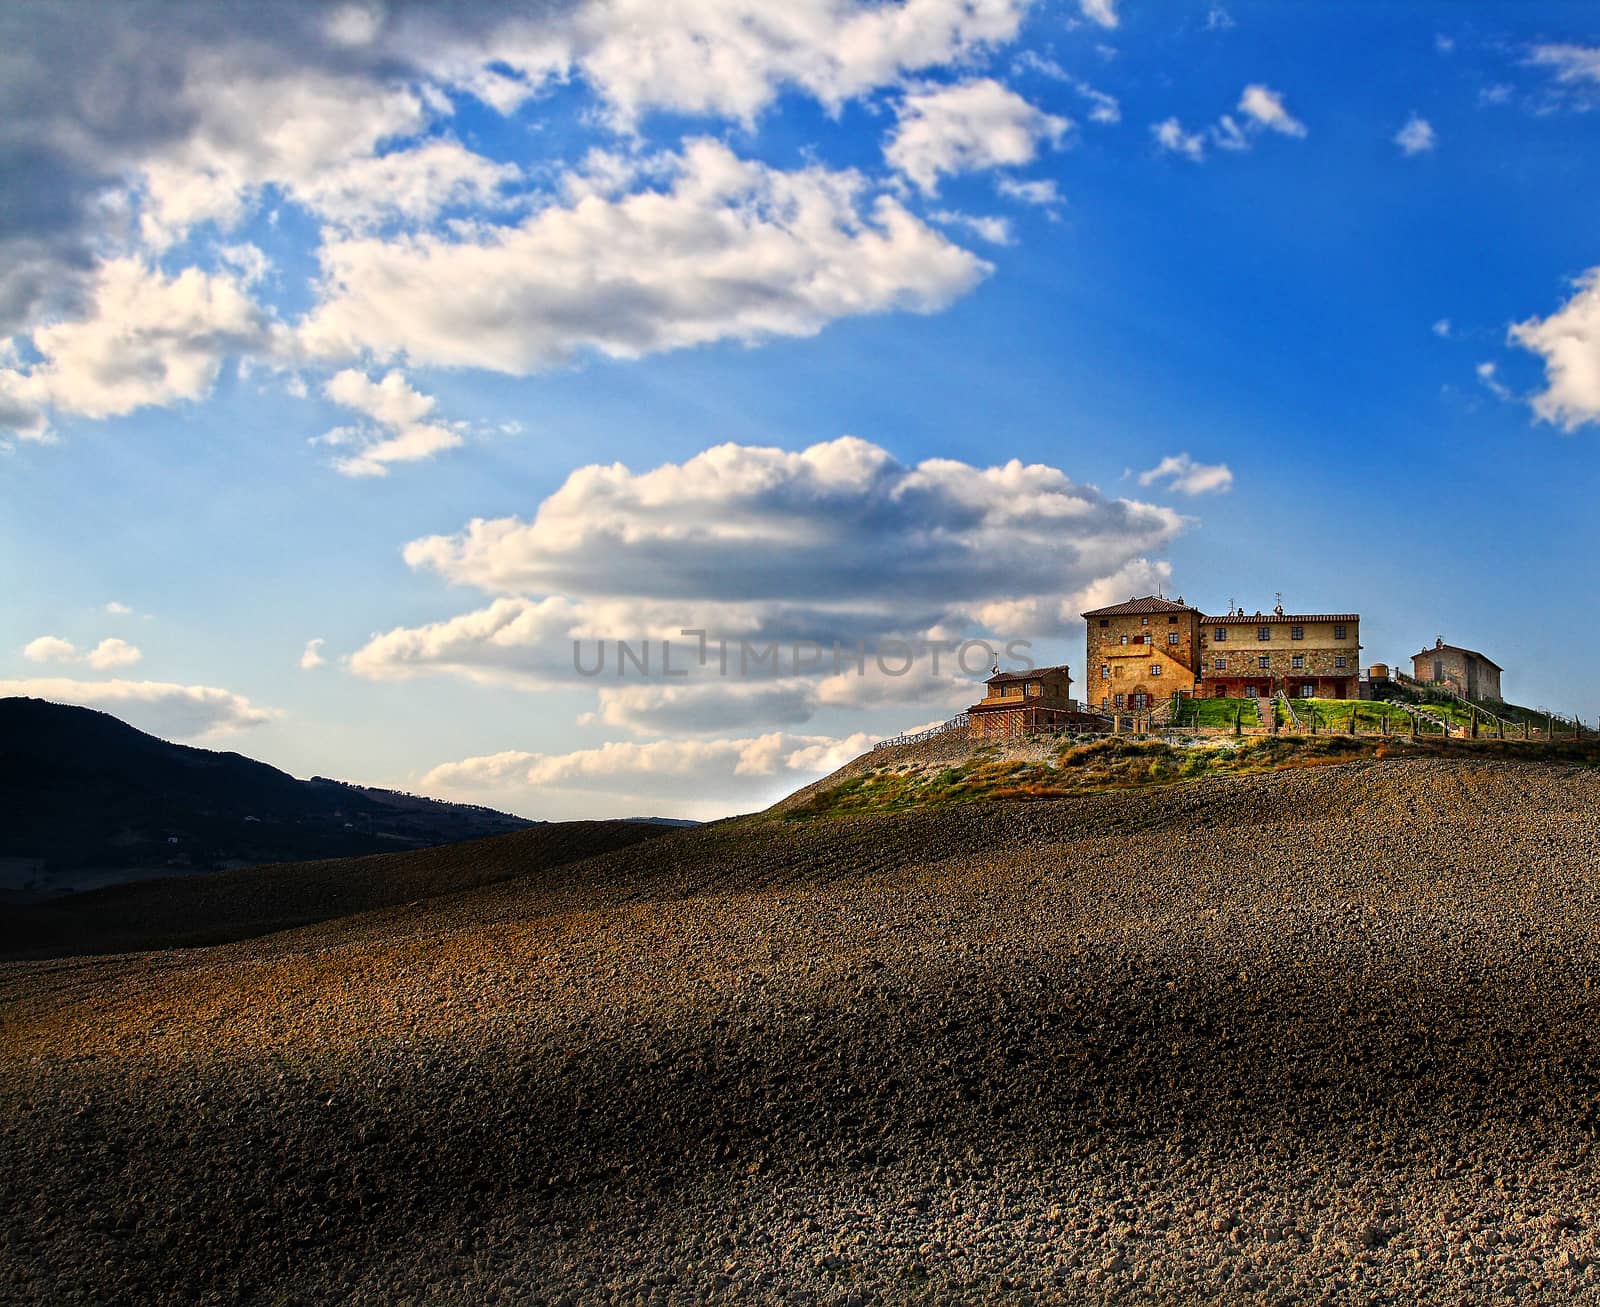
1320, 1035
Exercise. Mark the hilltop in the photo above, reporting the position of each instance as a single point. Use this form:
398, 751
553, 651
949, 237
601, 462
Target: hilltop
1318, 1033
87, 799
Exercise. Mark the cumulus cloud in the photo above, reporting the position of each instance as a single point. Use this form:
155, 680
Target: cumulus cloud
117, 609
1569, 63
997, 231
1042, 193
413, 185
740, 522
50, 649
729, 58
1103, 12
1170, 136
112, 653
146, 339
730, 249
174, 711
398, 431
1442, 328
838, 542
311, 657
1182, 474
694, 777
1262, 110
1263, 105
967, 127
1568, 341
1416, 137
108, 654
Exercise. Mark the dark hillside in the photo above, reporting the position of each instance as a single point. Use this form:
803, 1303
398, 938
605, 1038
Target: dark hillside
80, 789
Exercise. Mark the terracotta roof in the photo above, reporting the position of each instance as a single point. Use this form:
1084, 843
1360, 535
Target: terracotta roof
1034, 675
1456, 648
1149, 604
1278, 619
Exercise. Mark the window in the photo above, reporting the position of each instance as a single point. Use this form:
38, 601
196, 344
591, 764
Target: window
1250, 692
1124, 639
1222, 633
1173, 620
1338, 633
1172, 637
1306, 691
1263, 633
1121, 699
1264, 661
1298, 661
1222, 664
1155, 669
1105, 621
1339, 661
1105, 671
1297, 633
1144, 621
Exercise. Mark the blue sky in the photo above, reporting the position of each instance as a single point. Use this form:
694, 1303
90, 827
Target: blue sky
817, 322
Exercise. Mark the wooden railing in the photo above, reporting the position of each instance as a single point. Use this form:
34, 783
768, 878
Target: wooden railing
959, 722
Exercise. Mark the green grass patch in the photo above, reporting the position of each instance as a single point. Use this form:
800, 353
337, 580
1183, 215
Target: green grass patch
1119, 762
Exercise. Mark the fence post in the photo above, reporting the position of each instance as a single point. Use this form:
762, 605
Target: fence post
1474, 723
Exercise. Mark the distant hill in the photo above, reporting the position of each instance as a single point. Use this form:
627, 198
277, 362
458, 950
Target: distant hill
87, 799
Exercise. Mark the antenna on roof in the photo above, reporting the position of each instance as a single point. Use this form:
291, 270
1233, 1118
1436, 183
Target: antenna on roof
1279, 608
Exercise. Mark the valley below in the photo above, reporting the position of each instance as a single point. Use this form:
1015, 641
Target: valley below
1319, 1034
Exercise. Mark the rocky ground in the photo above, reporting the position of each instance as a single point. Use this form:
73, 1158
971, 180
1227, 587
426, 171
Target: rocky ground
1323, 1035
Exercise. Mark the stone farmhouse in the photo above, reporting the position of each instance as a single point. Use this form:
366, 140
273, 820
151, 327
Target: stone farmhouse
1018, 703
1147, 649
1466, 671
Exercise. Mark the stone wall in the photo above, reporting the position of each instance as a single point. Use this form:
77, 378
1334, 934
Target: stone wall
1114, 667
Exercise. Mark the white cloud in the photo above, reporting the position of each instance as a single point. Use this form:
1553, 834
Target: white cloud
1042, 193
413, 185
1570, 64
1569, 343
1218, 19
967, 127
251, 129
1487, 374
399, 432
1263, 111
1265, 106
1171, 137
756, 544
1416, 137
997, 231
747, 522
312, 657
1103, 108
1182, 474
50, 649
732, 249
117, 609
728, 58
112, 653
1103, 12
178, 711
696, 777
1441, 328
108, 654
147, 339
1444, 44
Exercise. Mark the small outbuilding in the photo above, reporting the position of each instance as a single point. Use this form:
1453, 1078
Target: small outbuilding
1466, 671
1019, 703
